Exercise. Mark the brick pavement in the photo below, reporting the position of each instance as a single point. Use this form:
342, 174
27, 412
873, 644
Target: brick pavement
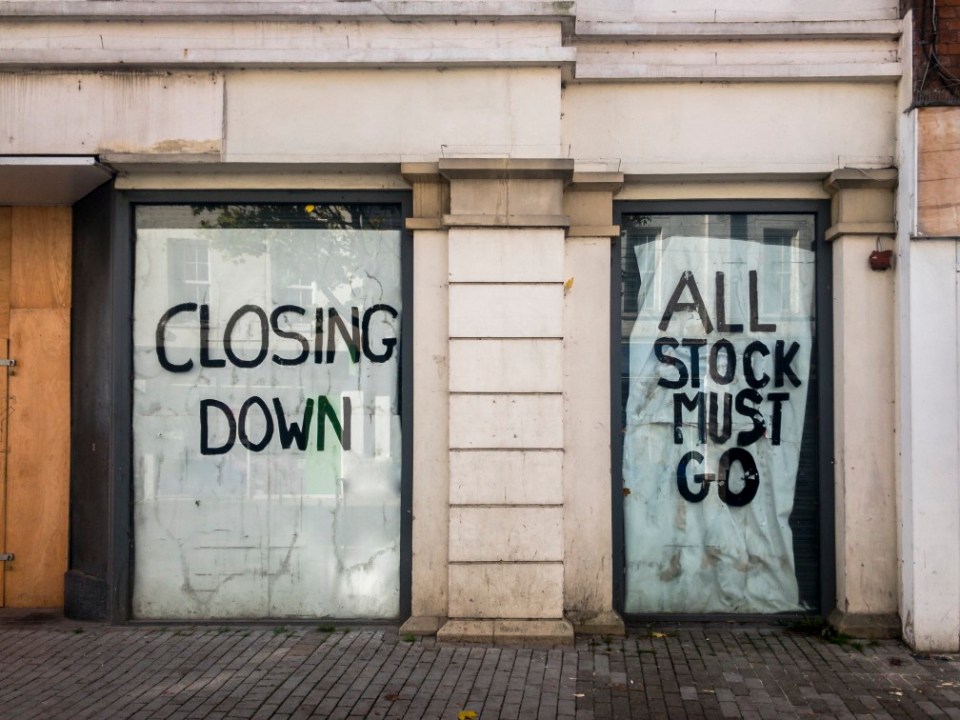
62, 669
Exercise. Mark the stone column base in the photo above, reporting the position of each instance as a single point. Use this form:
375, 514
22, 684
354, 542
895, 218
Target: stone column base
422, 625
529, 633
603, 623
869, 626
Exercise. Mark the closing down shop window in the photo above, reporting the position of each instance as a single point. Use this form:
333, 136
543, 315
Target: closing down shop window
267, 436
719, 407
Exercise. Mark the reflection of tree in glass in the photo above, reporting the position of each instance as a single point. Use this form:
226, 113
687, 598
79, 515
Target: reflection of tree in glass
630, 223
634, 231
356, 216
295, 264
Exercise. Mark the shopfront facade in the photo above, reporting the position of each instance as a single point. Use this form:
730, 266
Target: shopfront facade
493, 323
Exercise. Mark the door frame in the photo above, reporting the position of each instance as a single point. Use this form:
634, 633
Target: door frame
823, 294
110, 216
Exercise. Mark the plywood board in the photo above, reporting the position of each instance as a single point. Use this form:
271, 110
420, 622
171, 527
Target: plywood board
41, 257
3, 468
6, 233
6, 240
938, 170
38, 475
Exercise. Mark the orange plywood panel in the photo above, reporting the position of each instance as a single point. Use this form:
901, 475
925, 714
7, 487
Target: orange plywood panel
41, 257
3, 477
38, 468
6, 230
6, 238
938, 171
3, 467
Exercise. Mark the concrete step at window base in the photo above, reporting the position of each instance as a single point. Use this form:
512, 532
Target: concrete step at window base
528, 633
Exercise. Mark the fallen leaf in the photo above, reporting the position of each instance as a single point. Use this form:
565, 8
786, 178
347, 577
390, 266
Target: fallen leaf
568, 284
466, 715
626, 491
658, 635
392, 697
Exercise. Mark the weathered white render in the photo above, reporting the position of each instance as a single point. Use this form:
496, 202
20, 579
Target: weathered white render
517, 126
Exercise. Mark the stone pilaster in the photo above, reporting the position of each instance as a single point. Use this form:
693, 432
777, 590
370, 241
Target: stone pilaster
431, 474
506, 549
587, 472
864, 379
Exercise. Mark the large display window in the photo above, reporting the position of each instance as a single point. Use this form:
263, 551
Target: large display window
722, 412
267, 434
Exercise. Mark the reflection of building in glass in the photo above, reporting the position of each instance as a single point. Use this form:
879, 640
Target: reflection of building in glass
189, 270
287, 414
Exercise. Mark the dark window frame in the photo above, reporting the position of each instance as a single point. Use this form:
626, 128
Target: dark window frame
825, 396
121, 311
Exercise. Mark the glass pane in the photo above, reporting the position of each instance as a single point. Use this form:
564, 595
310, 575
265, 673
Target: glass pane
718, 347
266, 411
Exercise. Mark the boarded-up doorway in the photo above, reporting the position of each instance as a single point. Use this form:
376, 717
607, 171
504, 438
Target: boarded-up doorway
35, 260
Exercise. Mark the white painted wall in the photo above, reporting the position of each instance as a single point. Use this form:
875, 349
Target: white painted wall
506, 306
87, 113
662, 60
735, 10
731, 128
930, 447
266, 41
587, 482
928, 393
391, 115
431, 469
864, 429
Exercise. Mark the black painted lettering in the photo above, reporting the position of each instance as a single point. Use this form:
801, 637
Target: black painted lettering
729, 364
722, 309
294, 432
751, 477
681, 402
717, 434
748, 437
659, 349
289, 335
242, 423
228, 336
162, 338
351, 337
702, 479
205, 448
749, 373
777, 416
687, 282
326, 412
388, 343
318, 338
346, 438
755, 325
694, 345
781, 363
205, 359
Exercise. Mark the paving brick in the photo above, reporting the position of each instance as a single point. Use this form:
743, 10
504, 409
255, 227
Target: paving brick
696, 671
